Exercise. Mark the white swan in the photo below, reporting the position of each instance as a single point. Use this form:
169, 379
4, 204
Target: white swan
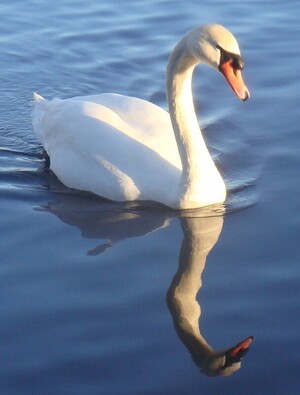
124, 148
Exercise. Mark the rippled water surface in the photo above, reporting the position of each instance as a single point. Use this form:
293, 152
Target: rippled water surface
88, 301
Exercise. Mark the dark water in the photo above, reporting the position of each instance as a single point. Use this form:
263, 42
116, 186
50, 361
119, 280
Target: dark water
84, 281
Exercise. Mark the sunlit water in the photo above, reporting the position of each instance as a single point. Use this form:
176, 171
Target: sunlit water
84, 281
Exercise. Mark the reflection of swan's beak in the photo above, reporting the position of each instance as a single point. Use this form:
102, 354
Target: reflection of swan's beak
224, 363
235, 80
236, 353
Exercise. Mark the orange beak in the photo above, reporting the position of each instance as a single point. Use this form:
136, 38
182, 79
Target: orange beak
239, 350
235, 80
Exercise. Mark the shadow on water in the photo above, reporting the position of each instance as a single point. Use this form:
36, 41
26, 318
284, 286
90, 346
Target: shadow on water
113, 222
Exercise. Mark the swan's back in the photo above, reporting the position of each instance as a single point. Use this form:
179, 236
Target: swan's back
119, 147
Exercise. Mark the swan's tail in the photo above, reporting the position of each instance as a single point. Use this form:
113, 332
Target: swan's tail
37, 97
37, 115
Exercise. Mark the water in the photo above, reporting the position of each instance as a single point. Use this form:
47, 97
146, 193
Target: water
84, 281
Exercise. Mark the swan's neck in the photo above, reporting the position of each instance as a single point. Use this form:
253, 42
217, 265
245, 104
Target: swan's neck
200, 235
200, 183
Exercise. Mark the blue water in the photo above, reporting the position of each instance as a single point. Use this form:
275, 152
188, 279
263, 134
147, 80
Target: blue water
84, 281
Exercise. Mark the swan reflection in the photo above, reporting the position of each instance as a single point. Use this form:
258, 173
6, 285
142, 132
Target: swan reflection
106, 221
113, 222
199, 237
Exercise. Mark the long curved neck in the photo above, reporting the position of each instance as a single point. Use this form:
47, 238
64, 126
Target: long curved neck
200, 236
198, 170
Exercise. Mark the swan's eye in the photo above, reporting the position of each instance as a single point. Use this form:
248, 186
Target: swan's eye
236, 60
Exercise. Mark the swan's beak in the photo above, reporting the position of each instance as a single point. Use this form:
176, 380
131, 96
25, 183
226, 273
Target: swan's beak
240, 349
235, 80
235, 354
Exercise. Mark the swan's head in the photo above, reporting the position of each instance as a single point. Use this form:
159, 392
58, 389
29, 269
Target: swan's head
225, 363
217, 47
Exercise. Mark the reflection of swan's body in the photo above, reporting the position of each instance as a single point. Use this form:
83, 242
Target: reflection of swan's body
107, 223
99, 220
112, 223
200, 235
125, 148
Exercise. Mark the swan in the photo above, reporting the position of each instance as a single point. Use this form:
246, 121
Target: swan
125, 148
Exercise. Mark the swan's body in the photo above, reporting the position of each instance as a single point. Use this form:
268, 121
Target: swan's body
124, 148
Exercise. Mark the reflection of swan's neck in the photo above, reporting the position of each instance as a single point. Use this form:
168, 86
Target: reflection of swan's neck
186, 311
200, 180
200, 235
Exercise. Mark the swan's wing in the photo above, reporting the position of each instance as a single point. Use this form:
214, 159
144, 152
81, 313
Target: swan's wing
147, 123
94, 147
